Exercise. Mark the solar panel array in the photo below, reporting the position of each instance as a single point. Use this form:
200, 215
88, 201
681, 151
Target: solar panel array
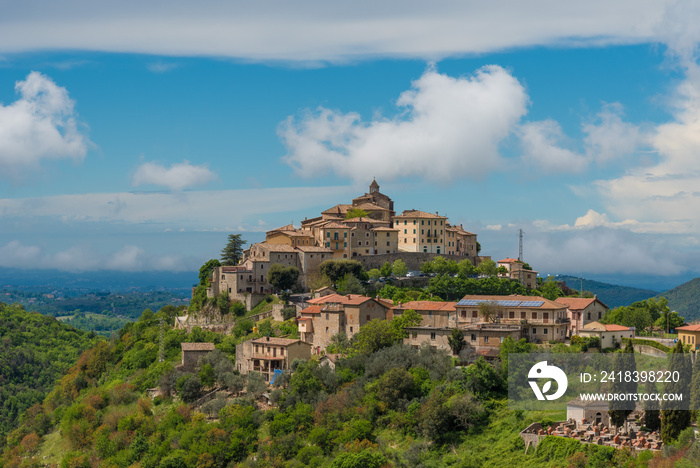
476, 302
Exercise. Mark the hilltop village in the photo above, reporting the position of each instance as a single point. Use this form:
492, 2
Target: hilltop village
377, 237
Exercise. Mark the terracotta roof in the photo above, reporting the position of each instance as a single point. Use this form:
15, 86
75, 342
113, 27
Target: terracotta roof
314, 309
383, 228
288, 227
334, 225
350, 299
594, 326
613, 327
386, 302
197, 346
427, 305
419, 214
340, 208
546, 303
578, 303
693, 328
234, 269
509, 260
458, 229
370, 206
313, 248
305, 318
275, 341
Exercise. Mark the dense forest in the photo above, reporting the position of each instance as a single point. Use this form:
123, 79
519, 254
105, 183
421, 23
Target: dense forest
35, 351
384, 405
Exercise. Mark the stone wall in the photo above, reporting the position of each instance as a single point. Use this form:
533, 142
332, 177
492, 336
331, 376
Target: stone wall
413, 260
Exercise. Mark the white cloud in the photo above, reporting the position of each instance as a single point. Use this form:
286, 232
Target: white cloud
592, 219
161, 67
177, 177
607, 138
450, 127
209, 210
40, 125
603, 250
314, 30
542, 148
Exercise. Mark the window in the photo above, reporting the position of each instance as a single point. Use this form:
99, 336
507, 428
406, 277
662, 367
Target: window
545, 331
326, 329
474, 314
534, 331
430, 313
432, 335
327, 316
511, 314
405, 222
223, 276
422, 222
345, 244
414, 335
414, 231
405, 241
486, 339
473, 337
589, 315
405, 231
522, 315
534, 316
350, 329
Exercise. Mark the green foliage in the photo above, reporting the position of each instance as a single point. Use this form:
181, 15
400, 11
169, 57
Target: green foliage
440, 266
488, 268
289, 312
206, 270
641, 315
550, 289
350, 285
399, 268
482, 380
363, 459
673, 421
337, 269
223, 303
238, 308
622, 362
282, 277
652, 343
386, 269
450, 289
456, 341
232, 253
356, 213
374, 274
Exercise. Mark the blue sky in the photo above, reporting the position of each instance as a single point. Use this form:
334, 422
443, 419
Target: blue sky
138, 137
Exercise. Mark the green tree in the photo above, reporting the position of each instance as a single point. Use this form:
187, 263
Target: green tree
233, 252
385, 270
350, 285
491, 311
466, 268
550, 289
374, 273
456, 341
399, 268
669, 320
282, 277
409, 318
336, 270
488, 268
373, 336
652, 412
205, 271
675, 416
356, 213
502, 270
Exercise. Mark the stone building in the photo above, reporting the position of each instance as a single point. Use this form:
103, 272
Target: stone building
541, 319
267, 354
516, 272
434, 314
191, 352
582, 311
420, 231
329, 315
610, 335
689, 335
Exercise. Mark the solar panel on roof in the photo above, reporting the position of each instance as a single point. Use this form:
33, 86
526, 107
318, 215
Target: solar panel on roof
468, 302
531, 303
509, 303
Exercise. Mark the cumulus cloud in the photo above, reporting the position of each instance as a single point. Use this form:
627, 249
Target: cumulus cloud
40, 125
592, 219
177, 177
607, 138
449, 128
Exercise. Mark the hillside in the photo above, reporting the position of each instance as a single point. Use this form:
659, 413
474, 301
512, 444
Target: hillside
685, 299
388, 406
611, 295
35, 351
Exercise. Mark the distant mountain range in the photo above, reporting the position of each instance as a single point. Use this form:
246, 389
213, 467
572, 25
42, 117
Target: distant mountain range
685, 299
611, 295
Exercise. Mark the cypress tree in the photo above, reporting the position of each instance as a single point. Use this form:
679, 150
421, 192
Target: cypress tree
675, 415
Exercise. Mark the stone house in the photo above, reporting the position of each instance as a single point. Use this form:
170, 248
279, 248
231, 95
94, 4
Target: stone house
541, 320
516, 272
461, 242
592, 412
435, 314
609, 335
191, 352
478, 336
582, 311
267, 354
329, 315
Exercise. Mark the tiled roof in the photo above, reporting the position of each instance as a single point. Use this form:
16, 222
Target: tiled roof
275, 341
340, 208
313, 248
350, 299
419, 214
577, 303
334, 225
692, 328
197, 346
427, 305
314, 309
613, 327
383, 228
234, 269
509, 260
370, 206
288, 227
